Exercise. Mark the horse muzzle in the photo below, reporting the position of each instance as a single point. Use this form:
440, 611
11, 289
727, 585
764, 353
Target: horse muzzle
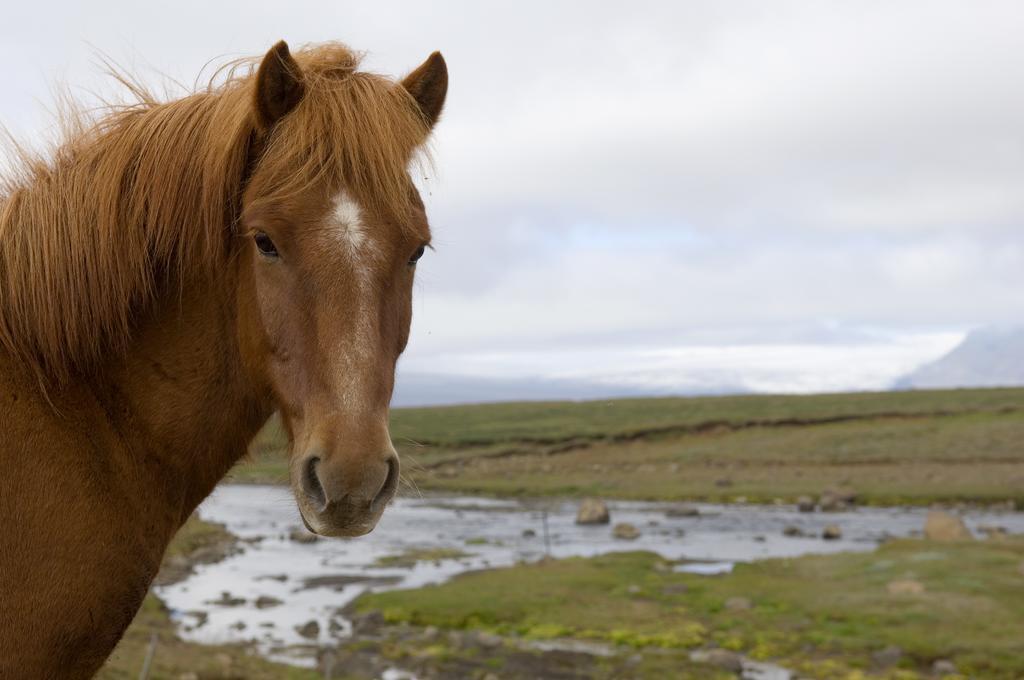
342, 495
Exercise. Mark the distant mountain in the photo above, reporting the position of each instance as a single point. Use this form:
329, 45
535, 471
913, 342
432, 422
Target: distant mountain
424, 389
989, 357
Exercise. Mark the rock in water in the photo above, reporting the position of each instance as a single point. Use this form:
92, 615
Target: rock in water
266, 601
805, 504
625, 531
831, 501
942, 526
832, 533
683, 511
592, 511
310, 630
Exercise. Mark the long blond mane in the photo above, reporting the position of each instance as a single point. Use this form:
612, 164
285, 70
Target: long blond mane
148, 194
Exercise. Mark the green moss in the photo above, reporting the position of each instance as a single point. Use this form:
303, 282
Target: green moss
828, 613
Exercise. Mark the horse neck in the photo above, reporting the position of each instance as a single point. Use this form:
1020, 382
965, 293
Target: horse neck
180, 397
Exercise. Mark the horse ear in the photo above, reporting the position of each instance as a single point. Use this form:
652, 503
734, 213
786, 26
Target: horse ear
279, 85
428, 85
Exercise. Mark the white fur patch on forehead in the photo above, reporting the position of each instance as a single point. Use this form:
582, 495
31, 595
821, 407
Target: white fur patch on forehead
348, 217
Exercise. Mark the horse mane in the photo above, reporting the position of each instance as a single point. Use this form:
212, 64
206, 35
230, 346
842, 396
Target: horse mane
142, 196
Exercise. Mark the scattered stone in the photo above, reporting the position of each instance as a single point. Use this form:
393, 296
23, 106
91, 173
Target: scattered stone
310, 630
201, 617
738, 604
992, 531
456, 639
367, 624
489, 640
793, 530
266, 602
529, 533
267, 624
272, 577
300, 535
942, 526
832, 532
944, 667
239, 625
430, 633
592, 511
674, 589
833, 500
226, 600
805, 504
682, 511
888, 657
633, 589
845, 496
719, 658
760, 539
905, 587
625, 531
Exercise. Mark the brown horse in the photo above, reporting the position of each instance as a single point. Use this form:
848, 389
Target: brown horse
169, 277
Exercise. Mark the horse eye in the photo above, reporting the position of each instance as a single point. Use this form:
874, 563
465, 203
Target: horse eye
265, 245
417, 255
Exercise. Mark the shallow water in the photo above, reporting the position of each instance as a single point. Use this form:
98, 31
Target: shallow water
491, 532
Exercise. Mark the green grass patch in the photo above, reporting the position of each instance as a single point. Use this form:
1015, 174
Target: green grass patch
824, 615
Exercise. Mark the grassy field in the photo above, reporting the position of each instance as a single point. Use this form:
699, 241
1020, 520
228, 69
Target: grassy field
824, 616
890, 447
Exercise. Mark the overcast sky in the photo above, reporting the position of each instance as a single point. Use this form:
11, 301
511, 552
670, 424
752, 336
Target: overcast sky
675, 196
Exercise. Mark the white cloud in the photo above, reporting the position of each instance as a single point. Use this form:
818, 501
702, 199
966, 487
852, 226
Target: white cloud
662, 170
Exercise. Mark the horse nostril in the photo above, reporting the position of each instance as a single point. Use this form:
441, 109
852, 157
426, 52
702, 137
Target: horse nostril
311, 483
387, 490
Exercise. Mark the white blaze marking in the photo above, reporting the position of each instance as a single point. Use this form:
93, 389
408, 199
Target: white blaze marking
347, 219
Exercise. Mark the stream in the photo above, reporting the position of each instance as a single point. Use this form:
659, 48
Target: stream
311, 581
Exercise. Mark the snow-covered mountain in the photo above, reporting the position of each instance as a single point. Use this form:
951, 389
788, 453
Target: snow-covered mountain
989, 357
